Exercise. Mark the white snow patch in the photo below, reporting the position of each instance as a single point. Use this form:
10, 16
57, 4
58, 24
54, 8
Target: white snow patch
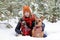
52, 30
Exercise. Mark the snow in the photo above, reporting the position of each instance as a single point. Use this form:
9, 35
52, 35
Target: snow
52, 30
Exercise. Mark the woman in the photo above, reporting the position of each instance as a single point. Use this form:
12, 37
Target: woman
29, 19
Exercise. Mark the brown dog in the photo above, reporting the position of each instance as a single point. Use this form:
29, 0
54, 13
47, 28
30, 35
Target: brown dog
37, 30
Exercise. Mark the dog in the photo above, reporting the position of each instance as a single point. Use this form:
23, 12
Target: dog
37, 30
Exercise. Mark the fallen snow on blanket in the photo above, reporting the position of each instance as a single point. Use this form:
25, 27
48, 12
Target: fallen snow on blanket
51, 29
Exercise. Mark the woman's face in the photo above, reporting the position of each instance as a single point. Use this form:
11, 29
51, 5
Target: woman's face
27, 14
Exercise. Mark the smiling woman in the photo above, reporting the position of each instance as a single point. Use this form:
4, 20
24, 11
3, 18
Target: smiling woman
29, 19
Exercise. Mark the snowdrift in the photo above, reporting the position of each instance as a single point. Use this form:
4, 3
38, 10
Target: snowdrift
51, 29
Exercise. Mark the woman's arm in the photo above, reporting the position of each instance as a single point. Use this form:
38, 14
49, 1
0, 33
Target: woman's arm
17, 29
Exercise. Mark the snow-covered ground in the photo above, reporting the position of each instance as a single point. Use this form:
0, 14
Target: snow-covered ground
52, 30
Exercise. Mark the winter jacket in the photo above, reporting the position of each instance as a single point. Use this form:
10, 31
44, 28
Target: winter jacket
18, 27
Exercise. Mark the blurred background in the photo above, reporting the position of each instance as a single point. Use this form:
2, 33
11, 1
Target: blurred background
13, 8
